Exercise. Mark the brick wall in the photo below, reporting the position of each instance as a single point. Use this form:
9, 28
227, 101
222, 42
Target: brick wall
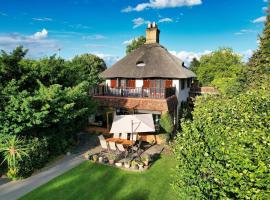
162, 105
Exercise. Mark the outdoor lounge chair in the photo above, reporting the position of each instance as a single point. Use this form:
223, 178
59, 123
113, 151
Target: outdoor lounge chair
120, 147
124, 136
103, 142
112, 146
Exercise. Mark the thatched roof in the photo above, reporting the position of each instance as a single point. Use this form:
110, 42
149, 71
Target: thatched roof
149, 61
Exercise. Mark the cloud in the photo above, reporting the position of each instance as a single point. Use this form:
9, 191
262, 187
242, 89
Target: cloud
37, 43
94, 37
161, 4
259, 20
245, 31
139, 21
43, 19
187, 56
109, 59
40, 34
165, 20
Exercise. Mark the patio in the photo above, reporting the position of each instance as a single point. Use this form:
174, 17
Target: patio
125, 148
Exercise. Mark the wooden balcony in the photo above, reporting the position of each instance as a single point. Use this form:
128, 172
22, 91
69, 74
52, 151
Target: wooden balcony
138, 92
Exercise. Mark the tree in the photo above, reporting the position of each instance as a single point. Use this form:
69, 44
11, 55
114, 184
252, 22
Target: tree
136, 43
88, 67
258, 72
194, 65
224, 152
220, 69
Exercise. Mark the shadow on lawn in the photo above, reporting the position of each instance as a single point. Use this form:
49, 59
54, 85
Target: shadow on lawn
89, 181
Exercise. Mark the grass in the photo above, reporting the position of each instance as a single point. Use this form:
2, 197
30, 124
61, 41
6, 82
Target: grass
96, 181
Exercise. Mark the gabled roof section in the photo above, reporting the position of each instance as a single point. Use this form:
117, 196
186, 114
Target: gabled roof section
149, 61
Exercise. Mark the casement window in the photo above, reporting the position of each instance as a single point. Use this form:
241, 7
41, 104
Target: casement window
183, 84
131, 83
113, 83
168, 83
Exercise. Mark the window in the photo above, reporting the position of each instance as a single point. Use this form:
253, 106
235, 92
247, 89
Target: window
123, 83
189, 82
183, 84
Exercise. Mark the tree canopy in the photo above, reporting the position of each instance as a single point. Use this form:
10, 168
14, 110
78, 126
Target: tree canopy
136, 43
46, 99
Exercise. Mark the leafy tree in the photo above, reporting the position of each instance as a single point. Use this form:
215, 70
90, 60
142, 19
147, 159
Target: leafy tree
224, 152
13, 150
45, 99
220, 69
194, 65
136, 43
88, 68
258, 72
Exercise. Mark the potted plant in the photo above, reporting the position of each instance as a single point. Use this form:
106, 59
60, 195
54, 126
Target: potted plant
100, 159
146, 159
95, 158
127, 164
140, 165
111, 158
134, 164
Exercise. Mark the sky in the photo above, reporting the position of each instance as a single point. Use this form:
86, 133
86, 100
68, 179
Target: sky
189, 28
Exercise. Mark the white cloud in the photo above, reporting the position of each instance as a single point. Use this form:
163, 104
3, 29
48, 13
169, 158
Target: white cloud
127, 42
259, 20
165, 20
187, 56
245, 31
161, 4
40, 34
37, 43
139, 21
94, 37
109, 59
43, 19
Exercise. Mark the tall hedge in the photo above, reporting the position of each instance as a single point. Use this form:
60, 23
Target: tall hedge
224, 153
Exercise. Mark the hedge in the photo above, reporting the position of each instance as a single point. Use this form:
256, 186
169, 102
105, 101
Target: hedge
224, 153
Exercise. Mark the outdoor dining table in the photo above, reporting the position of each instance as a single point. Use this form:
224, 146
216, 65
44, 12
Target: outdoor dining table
120, 141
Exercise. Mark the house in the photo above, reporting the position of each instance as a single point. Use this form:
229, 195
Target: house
147, 80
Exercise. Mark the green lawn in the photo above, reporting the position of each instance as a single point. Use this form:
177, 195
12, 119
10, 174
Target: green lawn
95, 181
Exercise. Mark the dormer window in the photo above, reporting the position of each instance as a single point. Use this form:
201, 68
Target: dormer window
140, 64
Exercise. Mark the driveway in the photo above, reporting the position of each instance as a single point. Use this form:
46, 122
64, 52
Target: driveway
15, 189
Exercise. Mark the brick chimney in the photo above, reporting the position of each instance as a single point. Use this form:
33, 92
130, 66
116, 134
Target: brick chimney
152, 33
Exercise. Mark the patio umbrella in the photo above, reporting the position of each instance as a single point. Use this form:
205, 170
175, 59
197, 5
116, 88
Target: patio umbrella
133, 123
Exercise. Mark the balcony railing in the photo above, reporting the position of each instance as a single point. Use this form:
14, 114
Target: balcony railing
138, 92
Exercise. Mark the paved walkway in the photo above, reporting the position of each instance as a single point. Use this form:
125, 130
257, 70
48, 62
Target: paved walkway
16, 189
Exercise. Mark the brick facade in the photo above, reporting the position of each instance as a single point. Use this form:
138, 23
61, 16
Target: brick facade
162, 105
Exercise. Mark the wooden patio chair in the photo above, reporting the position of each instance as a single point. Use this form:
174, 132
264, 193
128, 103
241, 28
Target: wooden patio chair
103, 143
112, 146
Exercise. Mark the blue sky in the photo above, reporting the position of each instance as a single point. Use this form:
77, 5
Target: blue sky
189, 28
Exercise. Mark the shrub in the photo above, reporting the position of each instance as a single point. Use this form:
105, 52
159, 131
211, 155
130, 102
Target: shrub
166, 122
38, 156
224, 152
